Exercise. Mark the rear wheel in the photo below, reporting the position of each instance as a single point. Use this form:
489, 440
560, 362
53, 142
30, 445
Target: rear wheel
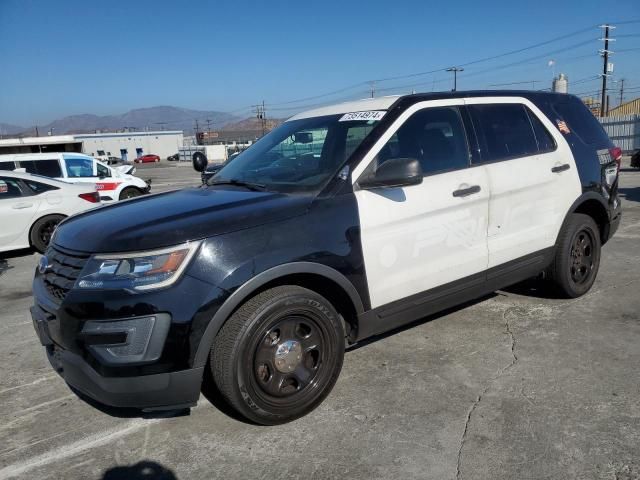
279, 355
129, 192
42, 230
577, 256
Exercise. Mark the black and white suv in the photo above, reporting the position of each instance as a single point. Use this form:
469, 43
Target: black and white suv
344, 222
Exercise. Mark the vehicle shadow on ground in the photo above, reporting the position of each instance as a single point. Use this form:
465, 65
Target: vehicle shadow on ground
630, 194
144, 470
5, 265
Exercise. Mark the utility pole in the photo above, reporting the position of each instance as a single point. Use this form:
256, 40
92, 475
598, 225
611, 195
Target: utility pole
261, 114
605, 67
162, 124
372, 87
621, 90
208, 131
455, 71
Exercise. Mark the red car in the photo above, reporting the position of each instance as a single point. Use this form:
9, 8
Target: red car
147, 159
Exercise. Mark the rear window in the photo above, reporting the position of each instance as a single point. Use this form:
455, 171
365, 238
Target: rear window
9, 188
46, 168
581, 121
504, 131
38, 187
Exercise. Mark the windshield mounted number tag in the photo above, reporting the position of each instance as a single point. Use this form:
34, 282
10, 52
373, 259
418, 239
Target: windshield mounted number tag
367, 115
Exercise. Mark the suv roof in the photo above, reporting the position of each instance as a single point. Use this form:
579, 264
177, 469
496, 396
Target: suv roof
384, 103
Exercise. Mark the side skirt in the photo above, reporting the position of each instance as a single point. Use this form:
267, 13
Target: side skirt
420, 305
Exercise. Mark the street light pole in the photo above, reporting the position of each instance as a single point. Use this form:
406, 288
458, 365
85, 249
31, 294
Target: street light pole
455, 71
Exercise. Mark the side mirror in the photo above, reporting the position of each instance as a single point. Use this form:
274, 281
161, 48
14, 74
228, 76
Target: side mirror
395, 172
303, 137
199, 161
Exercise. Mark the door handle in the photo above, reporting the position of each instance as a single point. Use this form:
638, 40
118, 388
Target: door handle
464, 192
561, 168
19, 206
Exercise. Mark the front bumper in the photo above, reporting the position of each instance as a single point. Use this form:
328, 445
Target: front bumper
161, 391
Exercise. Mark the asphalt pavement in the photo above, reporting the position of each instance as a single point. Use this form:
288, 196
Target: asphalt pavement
514, 386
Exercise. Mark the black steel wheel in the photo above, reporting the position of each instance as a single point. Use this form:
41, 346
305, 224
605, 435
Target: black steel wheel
129, 192
577, 256
42, 231
279, 355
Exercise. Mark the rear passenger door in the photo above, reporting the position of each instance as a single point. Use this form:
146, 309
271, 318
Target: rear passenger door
419, 237
532, 176
17, 209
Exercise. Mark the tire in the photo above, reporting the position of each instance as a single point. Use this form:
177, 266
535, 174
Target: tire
129, 192
42, 230
577, 256
157, 160
279, 355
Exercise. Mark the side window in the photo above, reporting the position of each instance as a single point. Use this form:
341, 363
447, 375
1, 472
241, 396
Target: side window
7, 166
581, 121
79, 167
102, 170
37, 187
434, 136
545, 141
9, 188
355, 136
46, 168
504, 131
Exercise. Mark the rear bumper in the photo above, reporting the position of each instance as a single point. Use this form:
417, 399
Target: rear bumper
164, 391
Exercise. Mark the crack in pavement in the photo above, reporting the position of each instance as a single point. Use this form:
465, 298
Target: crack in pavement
514, 360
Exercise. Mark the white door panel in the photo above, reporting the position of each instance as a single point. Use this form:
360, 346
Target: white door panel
528, 204
16, 215
528, 201
419, 237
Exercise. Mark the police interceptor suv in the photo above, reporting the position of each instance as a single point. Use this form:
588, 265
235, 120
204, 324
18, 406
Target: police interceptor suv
344, 222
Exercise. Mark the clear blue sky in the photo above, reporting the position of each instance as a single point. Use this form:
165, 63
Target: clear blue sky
105, 57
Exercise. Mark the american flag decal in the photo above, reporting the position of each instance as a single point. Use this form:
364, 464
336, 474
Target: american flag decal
562, 126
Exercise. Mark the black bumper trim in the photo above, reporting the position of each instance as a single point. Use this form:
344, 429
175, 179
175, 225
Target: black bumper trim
163, 391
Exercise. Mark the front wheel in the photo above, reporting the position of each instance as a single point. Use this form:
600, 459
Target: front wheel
577, 256
42, 230
279, 355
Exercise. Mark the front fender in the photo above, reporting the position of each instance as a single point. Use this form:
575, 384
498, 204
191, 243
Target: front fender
253, 284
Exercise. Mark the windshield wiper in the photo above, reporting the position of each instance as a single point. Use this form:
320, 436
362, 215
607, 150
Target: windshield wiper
239, 183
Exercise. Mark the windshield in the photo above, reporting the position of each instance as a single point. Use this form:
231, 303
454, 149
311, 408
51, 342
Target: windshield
299, 155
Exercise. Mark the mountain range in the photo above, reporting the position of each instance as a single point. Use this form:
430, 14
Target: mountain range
153, 118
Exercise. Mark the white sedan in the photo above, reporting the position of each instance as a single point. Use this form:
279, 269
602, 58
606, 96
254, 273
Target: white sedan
31, 207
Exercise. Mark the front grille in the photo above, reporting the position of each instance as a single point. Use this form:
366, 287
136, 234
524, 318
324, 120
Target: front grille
64, 269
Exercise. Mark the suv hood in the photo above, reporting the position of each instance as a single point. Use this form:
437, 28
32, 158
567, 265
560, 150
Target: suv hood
174, 217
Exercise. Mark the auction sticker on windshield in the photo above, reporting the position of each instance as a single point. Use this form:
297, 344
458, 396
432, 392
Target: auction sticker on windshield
368, 115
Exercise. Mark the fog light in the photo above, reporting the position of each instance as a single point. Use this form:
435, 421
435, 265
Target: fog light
132, 340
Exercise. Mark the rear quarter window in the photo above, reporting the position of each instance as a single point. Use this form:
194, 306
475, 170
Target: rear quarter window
581, 121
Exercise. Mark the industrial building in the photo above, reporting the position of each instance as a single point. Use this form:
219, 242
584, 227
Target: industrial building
125, 145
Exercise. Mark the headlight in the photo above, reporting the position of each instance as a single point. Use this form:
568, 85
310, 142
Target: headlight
138, 271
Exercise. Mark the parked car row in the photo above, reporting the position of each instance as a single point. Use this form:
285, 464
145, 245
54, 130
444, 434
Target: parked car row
31, 207
39, 190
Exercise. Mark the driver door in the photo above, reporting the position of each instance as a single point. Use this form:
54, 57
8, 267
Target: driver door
420, 237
